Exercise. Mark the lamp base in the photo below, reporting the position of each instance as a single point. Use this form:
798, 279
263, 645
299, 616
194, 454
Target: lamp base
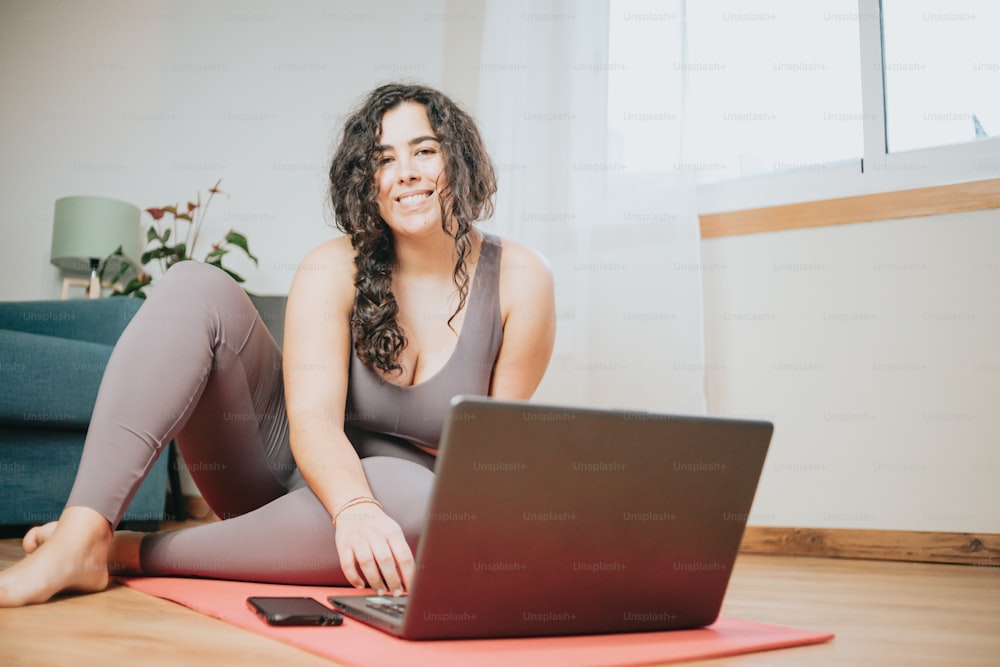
94, 289
86, 284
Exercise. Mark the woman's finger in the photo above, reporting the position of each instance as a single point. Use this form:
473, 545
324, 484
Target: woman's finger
349, 567
403, 557
383, 556
370, 570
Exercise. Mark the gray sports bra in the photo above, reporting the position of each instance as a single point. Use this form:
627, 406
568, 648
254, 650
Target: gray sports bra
416, 413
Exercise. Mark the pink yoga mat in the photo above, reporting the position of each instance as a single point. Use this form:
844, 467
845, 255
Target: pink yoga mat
354, 643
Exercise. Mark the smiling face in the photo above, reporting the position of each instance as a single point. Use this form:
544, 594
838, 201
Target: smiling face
410, 172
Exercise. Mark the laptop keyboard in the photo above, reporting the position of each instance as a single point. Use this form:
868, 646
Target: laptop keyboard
391, 606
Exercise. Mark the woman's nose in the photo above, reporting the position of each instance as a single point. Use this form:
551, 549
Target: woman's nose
407, 170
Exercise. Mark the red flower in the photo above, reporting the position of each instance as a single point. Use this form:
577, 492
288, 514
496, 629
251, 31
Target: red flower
191, 206
157, 213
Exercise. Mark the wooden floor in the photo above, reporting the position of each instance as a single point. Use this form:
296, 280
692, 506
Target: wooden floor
883, 613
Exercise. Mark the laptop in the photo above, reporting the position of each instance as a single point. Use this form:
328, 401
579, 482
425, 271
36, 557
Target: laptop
549, 520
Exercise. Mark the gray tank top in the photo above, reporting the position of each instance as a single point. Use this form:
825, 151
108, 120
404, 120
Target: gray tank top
416, 413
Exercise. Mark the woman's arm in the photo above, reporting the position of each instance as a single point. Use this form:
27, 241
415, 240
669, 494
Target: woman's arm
317, 352
527, 304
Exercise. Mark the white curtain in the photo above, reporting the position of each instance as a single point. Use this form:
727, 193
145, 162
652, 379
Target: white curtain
587, 135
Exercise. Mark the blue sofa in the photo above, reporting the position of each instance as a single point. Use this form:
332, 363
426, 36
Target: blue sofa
52, 358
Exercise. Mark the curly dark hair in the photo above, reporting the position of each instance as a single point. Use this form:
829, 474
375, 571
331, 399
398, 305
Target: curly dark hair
378, 338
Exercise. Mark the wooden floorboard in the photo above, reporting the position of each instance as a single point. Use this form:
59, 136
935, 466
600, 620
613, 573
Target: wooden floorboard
905, 545
884, 613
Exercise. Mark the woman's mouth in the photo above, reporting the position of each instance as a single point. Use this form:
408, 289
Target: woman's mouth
414, 198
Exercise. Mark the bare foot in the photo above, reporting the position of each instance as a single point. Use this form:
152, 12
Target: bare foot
123, 556
68, 555
35, 537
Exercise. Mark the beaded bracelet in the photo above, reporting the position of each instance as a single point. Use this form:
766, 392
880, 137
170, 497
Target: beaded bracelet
359, 500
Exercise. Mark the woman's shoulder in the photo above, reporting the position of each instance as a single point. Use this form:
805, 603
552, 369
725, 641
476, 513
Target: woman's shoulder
519, 261
332, 252
526, 281
335, 256
328, 266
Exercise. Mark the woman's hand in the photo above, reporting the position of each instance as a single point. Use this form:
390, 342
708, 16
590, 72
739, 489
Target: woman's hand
373, 551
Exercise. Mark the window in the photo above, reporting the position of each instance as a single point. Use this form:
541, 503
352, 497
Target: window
942, 72
644, 44
793, 101
774, 85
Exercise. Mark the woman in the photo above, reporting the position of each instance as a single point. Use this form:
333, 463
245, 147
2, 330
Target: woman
320, 464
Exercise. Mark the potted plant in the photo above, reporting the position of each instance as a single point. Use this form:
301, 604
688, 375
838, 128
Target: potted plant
172, 238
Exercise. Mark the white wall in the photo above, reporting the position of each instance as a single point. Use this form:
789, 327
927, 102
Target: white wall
875, 349
152, 102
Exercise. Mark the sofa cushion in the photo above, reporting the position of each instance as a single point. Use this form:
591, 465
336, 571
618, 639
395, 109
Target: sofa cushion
37, 469
48, 382
93, 320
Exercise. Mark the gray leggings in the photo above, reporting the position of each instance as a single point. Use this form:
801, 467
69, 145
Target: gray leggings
198, 365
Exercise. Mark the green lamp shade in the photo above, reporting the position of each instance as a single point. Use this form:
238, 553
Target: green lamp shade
91, 228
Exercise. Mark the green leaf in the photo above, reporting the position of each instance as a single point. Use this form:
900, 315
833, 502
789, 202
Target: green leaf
152, 235
235, 276
126, 265
136, 284
218, 252
156, 253
166, 235
104, 264
240, 242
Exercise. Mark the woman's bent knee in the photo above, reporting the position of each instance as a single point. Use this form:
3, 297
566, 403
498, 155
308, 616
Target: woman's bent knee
192, 288
192, 277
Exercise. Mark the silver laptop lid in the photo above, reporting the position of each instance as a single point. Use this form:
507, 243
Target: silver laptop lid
552, 520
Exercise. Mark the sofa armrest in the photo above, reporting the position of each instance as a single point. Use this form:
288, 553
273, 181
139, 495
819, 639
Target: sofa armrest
90, 320
48, 382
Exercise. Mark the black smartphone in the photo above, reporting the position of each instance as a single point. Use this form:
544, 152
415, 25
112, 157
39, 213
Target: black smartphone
294, 611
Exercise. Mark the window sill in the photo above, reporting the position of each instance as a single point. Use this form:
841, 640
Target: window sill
936, 200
